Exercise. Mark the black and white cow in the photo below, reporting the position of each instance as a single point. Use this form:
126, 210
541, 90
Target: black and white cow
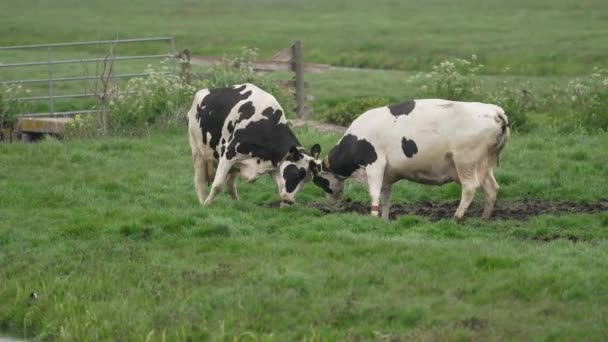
425, 141
242, 130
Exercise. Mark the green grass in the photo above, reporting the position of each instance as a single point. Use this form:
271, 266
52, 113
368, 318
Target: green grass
545, 43
543, 37
111, 237
341, 86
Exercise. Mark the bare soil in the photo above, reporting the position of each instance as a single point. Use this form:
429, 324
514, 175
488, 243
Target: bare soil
504, 210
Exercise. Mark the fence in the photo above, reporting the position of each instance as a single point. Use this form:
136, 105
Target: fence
289, 59
51, 62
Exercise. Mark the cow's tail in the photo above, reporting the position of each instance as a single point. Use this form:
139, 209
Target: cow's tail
503, 137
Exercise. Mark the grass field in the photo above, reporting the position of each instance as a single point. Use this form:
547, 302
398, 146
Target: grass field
110, 236
543, 42
531, 38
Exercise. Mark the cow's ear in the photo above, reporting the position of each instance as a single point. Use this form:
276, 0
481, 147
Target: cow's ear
314, 167
293, 154
315, 150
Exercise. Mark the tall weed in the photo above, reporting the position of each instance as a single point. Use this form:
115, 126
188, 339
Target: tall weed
588, 97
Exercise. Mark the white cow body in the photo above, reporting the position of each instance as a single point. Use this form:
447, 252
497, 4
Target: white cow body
426, 141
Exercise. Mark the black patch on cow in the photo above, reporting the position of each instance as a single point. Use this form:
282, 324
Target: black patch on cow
259, 161
230, 152
246, 111
293, 175
351, 154
223, 150
273, 114
322, 183
409, 147
403, 108
230, 127
294, 155
216, 155
266, 139
214, 108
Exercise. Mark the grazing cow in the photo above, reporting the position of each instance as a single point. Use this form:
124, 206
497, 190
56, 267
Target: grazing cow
242, 130
425, 141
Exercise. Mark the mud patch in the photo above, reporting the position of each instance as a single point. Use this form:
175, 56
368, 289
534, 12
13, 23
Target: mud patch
474, 323
504, 210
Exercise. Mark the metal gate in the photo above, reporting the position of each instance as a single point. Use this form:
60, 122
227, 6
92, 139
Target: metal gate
113, 54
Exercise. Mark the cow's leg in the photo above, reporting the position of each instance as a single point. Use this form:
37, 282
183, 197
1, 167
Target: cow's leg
231, 185
490, 188
469, 183
385, 199
200, 173
220, 178
375, 179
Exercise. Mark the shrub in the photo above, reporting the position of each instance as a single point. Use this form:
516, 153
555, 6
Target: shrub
163, 97
515, 101
10, 105
589, 100
456, 79
82, 126
147, 100
345, 112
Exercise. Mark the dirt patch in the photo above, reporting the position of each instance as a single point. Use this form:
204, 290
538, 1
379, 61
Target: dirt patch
474, 323
434, 211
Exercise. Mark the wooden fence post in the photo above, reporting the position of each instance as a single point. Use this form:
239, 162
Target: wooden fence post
298, 68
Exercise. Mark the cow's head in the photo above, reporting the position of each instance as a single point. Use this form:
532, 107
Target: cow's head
294, 171
331, 183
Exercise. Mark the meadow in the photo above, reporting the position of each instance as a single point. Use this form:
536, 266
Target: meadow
546, 43
544, 37
109, 236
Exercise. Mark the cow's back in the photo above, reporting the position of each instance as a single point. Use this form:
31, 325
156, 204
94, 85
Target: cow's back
424, 136
216, 113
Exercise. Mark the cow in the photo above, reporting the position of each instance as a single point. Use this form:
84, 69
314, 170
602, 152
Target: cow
242, 130
430, 141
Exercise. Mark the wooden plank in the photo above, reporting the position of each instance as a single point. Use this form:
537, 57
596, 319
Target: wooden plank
291, 83
267, 66
42, 125
285, 55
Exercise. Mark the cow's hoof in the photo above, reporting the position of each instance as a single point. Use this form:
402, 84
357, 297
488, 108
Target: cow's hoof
285, 204
458, 219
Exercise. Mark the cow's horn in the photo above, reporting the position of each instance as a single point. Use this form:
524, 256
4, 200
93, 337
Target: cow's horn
326, 162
